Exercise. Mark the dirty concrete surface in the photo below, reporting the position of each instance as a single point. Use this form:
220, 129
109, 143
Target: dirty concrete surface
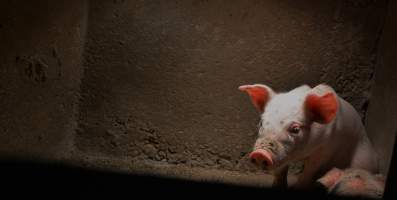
151, 86
40, 73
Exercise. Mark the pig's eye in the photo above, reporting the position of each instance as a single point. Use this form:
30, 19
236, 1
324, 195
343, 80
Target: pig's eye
294, 128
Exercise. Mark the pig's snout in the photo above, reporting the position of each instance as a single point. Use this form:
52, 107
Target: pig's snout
262, 158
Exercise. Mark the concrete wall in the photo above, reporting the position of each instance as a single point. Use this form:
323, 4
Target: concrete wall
157, 89
40, 71
382, 111
161, 77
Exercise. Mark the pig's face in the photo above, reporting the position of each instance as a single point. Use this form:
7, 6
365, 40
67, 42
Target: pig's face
284, 129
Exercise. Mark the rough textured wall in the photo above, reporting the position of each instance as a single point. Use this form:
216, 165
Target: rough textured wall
40, 71
159, 91
382, 111
160, 77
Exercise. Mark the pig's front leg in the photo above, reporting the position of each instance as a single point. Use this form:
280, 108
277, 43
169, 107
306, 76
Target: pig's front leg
306, 178
304, 182
281, 178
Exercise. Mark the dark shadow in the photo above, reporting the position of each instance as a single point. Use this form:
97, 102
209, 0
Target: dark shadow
44, 178
391, 185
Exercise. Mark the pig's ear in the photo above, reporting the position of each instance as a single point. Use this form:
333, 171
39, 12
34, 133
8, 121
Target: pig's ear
321, 104
259, 94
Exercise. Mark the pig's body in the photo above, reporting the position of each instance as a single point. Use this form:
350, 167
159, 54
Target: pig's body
344, 144
309, 124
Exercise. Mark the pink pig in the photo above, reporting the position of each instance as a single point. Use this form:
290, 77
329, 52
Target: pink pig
313, 125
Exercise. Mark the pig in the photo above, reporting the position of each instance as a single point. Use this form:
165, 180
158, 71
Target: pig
353, 183
313, 125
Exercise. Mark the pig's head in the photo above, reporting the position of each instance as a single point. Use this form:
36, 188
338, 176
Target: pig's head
285, 133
